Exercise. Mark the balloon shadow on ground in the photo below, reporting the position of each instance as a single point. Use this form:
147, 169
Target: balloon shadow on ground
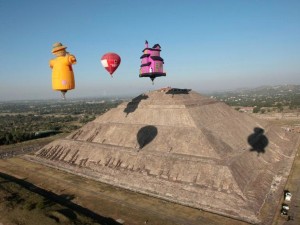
134, 103
145, 135
176, 91
258, 141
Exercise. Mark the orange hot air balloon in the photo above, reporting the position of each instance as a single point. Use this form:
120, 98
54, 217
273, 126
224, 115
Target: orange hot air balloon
111, 61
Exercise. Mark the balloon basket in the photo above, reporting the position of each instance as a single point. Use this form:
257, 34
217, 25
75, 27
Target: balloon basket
63, 95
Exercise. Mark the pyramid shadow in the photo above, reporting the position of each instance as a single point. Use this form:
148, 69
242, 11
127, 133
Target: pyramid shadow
258, 141
134, 103
145, 135
68, 213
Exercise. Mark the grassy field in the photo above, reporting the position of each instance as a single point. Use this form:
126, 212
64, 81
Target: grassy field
31, 143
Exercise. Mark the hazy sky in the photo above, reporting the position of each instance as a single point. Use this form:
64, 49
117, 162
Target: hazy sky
206, 45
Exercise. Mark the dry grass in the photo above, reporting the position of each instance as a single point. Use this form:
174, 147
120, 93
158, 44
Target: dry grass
18, 205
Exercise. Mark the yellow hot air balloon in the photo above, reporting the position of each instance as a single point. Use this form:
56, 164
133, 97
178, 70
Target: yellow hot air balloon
62, 72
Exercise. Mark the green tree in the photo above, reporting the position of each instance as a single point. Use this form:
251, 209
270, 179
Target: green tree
256, 109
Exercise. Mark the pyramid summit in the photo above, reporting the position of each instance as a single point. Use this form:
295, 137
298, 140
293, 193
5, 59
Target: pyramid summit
178, 145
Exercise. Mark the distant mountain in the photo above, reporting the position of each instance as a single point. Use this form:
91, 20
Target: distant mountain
266, 90
278, 88
264, 96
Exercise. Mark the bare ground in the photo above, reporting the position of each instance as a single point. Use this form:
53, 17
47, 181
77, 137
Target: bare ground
96, 203
292, 121
293, 185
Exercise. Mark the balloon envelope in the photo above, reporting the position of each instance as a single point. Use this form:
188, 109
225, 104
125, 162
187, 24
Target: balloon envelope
111, 61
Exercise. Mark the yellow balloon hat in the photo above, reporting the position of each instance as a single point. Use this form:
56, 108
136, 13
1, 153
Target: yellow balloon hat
57, 47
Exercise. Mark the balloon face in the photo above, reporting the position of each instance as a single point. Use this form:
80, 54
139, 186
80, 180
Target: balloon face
111, 61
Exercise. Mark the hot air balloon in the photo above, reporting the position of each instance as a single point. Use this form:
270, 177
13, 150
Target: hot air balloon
111, 61
62, 72
152, 63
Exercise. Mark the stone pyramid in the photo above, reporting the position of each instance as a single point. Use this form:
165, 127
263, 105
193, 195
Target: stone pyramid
183, 147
